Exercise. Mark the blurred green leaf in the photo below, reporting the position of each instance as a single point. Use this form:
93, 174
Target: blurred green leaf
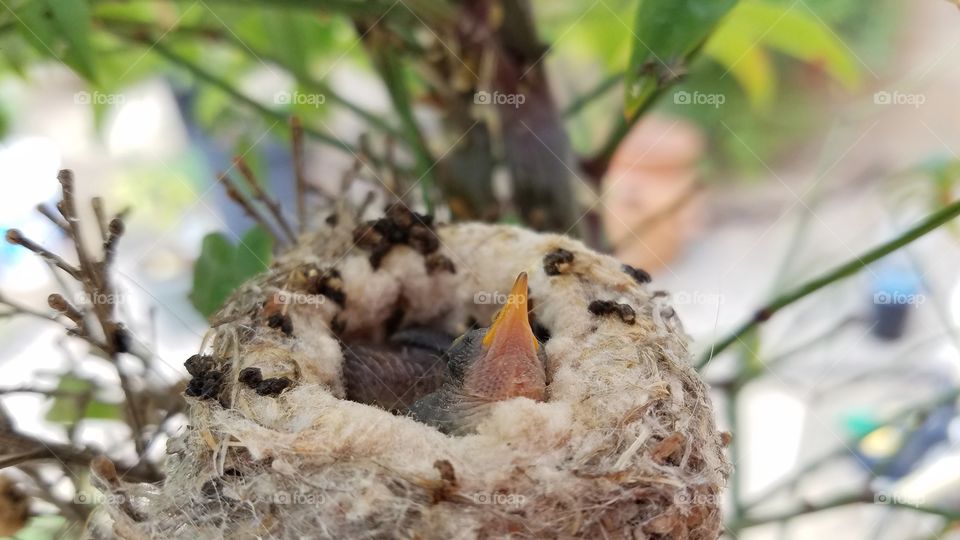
46, 527
794, 31
72, 17
749, 63
666, 34
222, 267
65, 407
60, 29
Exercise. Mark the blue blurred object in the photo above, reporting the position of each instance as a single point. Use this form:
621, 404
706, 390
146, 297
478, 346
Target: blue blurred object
896, 290
913, 447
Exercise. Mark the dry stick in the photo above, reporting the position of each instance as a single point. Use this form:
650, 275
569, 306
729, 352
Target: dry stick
844, 500
14, 236
60, 304
27, 448
259, 194
848, 269
248, 207
24, 310
54, 218
97, 204
96, 281
299, 176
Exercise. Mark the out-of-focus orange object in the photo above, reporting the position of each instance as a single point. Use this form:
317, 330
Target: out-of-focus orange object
651, 193
14, 507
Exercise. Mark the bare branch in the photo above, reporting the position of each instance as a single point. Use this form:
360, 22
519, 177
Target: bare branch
264, 198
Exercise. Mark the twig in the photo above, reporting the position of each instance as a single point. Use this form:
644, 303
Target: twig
607, 84
54, 218
97, 204
18, 309
865, 497
26, 448
259, 194
930, 223
14, 236
248, 207
299, 175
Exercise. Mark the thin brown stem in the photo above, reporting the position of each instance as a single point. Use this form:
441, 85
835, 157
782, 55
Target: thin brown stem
249, 208
259, 194
14, 236
299, 175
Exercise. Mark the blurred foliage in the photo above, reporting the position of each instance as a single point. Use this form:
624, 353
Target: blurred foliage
76, 400
223, 266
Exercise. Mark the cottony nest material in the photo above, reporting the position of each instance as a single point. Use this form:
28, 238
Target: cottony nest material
625, 445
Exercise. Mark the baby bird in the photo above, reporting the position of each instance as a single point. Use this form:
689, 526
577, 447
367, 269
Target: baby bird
485, 366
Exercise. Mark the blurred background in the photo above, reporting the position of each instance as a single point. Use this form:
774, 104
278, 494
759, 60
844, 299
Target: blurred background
734, 157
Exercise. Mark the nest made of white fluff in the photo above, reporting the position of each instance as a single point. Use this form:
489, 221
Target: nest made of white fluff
625, 445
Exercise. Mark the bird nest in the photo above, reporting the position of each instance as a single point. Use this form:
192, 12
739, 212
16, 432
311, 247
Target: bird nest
624, 446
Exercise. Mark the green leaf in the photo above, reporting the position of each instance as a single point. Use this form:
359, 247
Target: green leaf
740, 54
287, 38
666, 34
72, 17
64, 409
223, 266
797, 33
46, 527
60, 29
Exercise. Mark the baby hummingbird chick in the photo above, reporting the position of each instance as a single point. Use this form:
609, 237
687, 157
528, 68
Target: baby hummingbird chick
485, 366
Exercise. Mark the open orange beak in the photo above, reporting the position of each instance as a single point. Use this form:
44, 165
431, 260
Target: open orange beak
510, 365
511, 327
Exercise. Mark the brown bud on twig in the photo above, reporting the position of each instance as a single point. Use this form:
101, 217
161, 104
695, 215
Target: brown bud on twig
14, 236
59, 303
